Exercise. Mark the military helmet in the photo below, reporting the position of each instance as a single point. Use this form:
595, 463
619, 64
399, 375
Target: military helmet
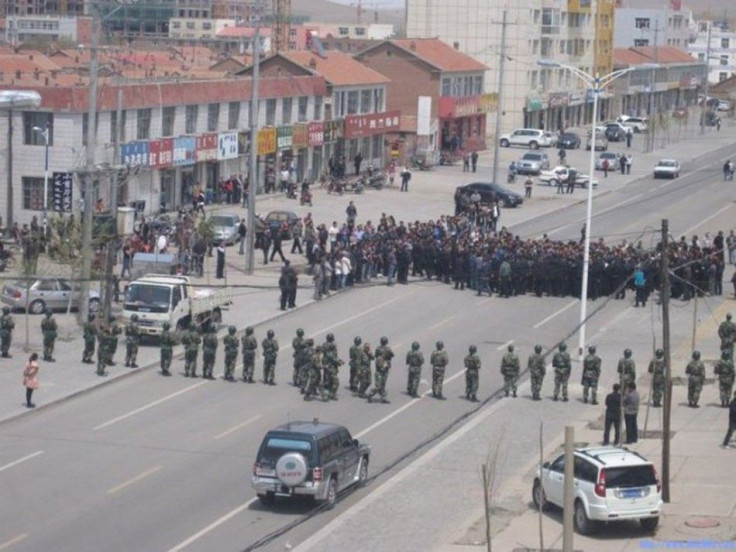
90, 317
696, 355
440, 345
134, 318
472, 349
270, 334
725, 354
111, 319
537, 349
319, 348
249, 330
300, 333
415, 346
562, 347
231, 330
659, 353
728, 316
49, 312
510, 348
310, 342
330, 337
166, 326
384, 340
591, 349
627, 353
357, 341
6, 310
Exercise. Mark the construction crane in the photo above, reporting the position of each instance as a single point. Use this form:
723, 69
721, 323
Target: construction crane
281, 25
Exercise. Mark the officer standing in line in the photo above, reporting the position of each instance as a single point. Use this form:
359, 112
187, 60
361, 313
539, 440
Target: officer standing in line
591, 375
727, 333
364, 371
472, 367
49, 330
315, 374
695, 372
439, 360
305, 368
627, 370
90, 336
538, 370
298, 344
657, 368
6, 332
166, 344
209, 351
230, 341
384, 354
562, 366
191, 341
270, 351
724, 369
355, 352
249, 347
331, 363
414, 360
107, 337
510, 369
115, 331
132, 339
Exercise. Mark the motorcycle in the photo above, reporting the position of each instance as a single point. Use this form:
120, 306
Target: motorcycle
291, 191
306, 198
377, 180
512, 177
335, 185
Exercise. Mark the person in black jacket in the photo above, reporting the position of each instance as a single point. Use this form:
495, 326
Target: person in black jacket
613, 415
731, 421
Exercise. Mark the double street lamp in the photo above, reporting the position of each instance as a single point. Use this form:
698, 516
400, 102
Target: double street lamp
44, 133
595, 83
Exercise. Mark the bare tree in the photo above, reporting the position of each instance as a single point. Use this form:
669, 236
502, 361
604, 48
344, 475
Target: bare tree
489, 474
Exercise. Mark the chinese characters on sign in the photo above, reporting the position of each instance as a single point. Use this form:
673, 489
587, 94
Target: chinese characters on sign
227, 145
371, 123
134, 154
62, 192
207, 147
283, 137
300, 136
316, 134
185, 148
161, 153
266, 141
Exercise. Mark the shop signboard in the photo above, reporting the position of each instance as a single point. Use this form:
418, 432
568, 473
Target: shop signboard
134, 154
316, 133
283, 137
161, 153
371, 123
300, 136
227, 145
185, 151
266, 141
207, 147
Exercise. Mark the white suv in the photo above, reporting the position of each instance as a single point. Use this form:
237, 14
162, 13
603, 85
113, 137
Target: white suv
611, 484
527, 137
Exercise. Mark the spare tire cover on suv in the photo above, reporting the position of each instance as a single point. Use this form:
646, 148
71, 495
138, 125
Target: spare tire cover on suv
291, 469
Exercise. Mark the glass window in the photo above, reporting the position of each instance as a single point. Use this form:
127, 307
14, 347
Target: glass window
365, 101
377, 146
352, 102
167, 120
447, 85
213, 116
286, 108
33, 193
725, 43
630, 476
317, 108
190, 124
724, 59
641, 22
558, 465
343, 31
457, 87
114, 126
550, 21
722, 76
303, 103
206, 26
271, 111
378, 100
233, 114
144, 124
37, 119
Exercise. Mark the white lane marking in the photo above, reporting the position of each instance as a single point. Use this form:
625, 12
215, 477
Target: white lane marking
551, 316
182, 545
149, 405
442, 322
11, 542
133, 480
237, 427
597, 213
702, 222
15, 463
502, 347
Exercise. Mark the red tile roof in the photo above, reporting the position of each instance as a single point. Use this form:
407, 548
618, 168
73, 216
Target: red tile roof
647, 54
242, 32
337, 68
443, 56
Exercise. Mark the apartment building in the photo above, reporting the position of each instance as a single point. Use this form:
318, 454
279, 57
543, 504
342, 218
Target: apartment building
651, 26
722, 53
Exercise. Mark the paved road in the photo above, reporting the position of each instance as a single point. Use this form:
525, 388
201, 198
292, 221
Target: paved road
163, 464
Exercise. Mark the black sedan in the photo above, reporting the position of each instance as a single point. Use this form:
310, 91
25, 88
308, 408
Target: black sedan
490, 191
568, 140
615, 133
281, 221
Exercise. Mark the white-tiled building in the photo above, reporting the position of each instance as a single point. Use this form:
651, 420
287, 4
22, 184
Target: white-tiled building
722, 58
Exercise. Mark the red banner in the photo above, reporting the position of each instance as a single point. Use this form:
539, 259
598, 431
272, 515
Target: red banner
161, 153
316, 134
371, 123
207, 147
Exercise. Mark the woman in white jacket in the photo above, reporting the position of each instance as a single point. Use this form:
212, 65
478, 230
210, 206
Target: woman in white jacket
345, 267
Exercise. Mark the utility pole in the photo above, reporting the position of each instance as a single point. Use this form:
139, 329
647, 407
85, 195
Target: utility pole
568, 494
704, 109
665, 278
652, 92
253, 176
499, 105
112, 241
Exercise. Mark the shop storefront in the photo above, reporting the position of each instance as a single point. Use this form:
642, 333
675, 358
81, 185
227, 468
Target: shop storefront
209, 173
463, 121
366, 133
267, 157
300, 146
316, 140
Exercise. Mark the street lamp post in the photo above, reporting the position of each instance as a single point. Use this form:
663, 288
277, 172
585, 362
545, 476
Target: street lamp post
595, 83
44, 132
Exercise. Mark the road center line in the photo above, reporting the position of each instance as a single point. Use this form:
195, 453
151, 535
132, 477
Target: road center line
11, 542
149, 405
134, 480
689, 231
551, 316
16, 462
182, 545
442, 322
502, 347
237, 427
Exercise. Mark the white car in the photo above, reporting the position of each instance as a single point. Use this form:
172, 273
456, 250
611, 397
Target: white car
562, 173
611, 157
611, 484
637, 124
669, 168
528, 137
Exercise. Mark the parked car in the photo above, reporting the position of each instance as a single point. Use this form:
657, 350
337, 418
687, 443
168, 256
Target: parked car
613, 160
528, 137
225, 226
281, 221
489, 191
601, 142
46, 293
308, 459
637, 124
532, 162
669, 168
611, 484
568, 140
615, 132
723, 105
562, 174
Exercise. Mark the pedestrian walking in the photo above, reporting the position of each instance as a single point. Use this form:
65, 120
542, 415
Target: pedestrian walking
629, 137
242, 231
613, 415
474, 160
405, 178
466, 162
30, 378
631, 411
220, 272
296, 236
731, 421
606, 165
528, 185
629, 159
622, 164
277, 241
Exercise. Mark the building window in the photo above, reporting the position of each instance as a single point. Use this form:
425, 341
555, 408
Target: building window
533, 79
343, 31
359, 31
536, 15
233, 114
190, 124
722, 76
365, 101
639, 42
168, 115
701, 56
176, 24
724, 59
37, 119
114, 127
352, 102
725, 43
190, 25
317, 108
641, 22
457, 87
303, 103
562, 46
33, 193
271, 112
550, 21
378, 100
144, 124
377, 146
213, 116
286, 107
447, 86
206, 26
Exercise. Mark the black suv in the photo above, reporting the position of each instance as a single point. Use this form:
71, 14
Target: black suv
309, 458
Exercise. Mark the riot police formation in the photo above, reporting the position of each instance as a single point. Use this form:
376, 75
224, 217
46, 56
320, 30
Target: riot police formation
166, 345
354, 363
49, 329
537, 370
657, 369
626, 370
209, 351
724, 370
384, 354
695, 372
89, 335
270, 351
297, 346
562, 366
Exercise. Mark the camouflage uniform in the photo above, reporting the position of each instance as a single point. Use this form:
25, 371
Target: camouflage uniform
6, 332
562, 366
439, 360
314, 381
591, 375
49, 330
90, 336
107, 338
249, 345
298, 344
209, 352
695, 372
166, 344
472, 367
230, 341
331, 365
627, 370
384, 354
510, 368
132, 340
364, 371
191, 341
355, 352
414, 360
727, 333
657, 368
538, 370
305, 368
725, 371
270, 351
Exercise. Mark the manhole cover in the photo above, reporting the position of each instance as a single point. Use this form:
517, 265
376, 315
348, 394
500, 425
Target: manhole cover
702, 523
